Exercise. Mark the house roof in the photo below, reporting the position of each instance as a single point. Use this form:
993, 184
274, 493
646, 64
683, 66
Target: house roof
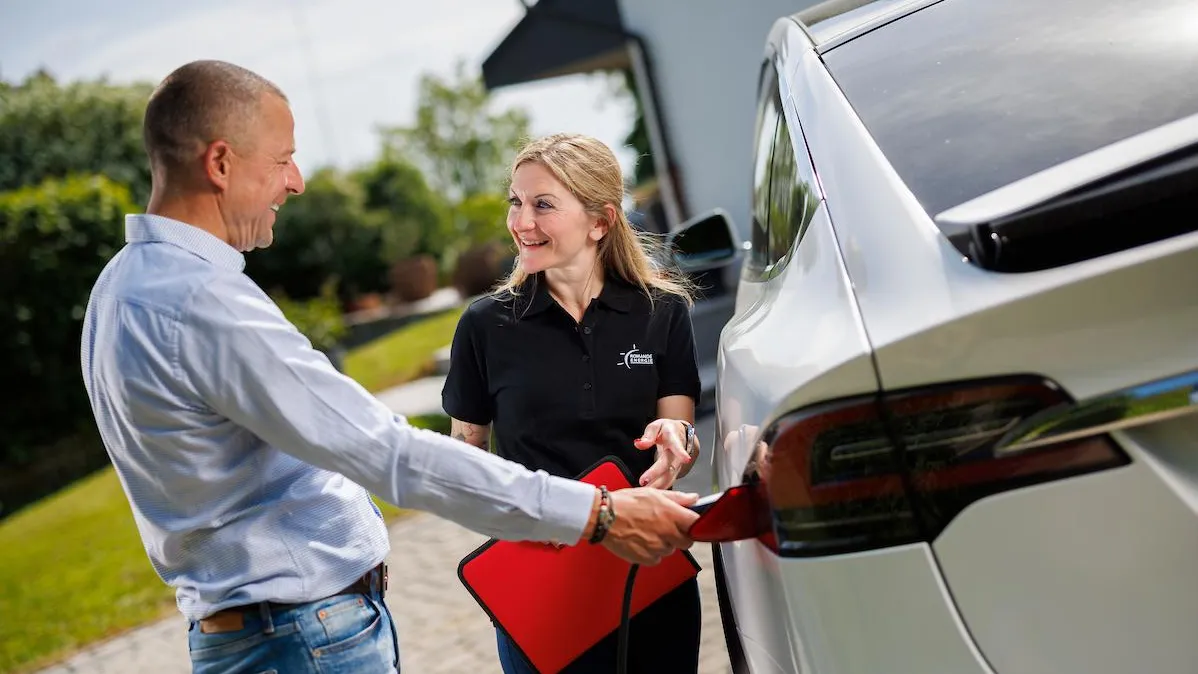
559, 37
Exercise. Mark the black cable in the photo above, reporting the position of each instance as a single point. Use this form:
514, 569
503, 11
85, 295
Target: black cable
622, 649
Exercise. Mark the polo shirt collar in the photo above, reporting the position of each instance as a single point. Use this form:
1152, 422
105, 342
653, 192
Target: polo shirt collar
146, 228
617, 294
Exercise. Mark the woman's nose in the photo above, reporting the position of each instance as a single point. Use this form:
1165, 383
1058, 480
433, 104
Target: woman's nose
524, 220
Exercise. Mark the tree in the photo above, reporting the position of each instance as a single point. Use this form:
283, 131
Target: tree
416, 221
54, 240
324, 233
52, 131
351, 227
462, 144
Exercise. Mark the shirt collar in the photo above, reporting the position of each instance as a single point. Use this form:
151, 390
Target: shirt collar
616, 294
143, 228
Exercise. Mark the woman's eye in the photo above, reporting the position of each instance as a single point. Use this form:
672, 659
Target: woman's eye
513, 201
544, 204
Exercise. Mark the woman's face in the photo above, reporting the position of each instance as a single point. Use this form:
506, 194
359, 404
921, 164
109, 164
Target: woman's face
548, 223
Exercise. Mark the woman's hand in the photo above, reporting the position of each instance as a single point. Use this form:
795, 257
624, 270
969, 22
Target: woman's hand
669, 437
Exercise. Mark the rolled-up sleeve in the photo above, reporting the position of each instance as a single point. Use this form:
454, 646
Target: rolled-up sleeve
250, 365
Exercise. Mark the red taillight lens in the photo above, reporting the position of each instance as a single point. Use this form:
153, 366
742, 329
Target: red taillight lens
948, 439
872, 472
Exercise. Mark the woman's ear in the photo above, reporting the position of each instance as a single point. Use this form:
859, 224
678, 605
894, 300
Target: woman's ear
603, 223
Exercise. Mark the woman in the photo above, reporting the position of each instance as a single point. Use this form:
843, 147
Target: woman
585, 351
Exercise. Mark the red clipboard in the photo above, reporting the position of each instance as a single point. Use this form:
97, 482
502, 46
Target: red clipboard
555, 604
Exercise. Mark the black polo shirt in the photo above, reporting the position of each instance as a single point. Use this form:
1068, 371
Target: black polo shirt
563, 394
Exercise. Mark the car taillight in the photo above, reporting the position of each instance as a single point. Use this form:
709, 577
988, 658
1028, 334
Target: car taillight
878, 471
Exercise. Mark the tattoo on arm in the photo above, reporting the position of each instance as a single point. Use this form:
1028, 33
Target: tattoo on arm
474, 434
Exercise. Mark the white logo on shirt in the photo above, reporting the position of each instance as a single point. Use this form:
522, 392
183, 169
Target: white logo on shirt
635, 357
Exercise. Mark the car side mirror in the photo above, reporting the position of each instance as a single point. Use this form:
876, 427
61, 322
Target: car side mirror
704, 242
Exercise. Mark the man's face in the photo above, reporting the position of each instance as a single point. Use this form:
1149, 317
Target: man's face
262, 176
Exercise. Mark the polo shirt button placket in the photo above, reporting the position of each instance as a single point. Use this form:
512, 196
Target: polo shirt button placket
589, 375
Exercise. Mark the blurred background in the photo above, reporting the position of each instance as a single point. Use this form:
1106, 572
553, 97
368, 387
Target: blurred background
404, 149
407, 116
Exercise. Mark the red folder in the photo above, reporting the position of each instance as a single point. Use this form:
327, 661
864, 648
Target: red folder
555, 604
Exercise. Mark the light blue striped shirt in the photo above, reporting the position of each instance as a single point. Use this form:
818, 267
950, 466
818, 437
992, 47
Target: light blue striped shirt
247, 457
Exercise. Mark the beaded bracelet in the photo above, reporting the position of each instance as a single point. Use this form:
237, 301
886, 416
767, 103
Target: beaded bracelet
607, 515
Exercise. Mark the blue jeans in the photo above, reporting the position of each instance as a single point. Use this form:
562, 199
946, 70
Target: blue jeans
337, 635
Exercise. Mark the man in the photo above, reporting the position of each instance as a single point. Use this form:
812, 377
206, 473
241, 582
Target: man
241, 449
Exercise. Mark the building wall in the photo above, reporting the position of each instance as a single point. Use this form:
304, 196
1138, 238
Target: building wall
706, 56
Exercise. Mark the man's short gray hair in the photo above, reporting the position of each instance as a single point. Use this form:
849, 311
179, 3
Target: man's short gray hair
198, 103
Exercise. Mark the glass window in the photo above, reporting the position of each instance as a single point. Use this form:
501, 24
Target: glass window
767, 126
793, 192
959, 111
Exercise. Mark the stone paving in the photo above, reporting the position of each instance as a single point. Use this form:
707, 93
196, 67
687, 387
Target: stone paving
441, 628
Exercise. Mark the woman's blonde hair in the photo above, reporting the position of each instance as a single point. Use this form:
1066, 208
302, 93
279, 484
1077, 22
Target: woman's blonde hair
588, 168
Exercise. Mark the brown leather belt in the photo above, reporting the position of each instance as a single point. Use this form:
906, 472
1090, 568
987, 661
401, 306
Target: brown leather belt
232, 619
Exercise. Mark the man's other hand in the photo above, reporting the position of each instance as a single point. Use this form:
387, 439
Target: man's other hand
650, 524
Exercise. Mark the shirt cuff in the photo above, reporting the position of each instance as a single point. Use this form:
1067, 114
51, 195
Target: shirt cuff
568, 505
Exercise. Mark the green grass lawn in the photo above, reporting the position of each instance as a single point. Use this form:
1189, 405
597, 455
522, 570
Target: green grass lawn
72, 566
72, 570
402, 355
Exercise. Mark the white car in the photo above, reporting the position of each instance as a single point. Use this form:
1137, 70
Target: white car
955, 401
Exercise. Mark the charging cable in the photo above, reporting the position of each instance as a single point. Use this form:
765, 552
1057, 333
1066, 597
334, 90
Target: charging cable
625, 611
701, 506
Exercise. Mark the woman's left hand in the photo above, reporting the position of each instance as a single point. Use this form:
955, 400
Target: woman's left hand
669, 437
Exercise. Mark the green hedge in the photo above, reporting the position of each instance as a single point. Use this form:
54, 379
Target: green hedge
54, 240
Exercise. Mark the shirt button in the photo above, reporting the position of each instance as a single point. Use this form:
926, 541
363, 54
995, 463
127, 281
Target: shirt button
586, 330
587, 386
586, 358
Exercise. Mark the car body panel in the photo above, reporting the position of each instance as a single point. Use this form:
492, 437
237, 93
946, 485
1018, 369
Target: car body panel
877, 611
1089, 574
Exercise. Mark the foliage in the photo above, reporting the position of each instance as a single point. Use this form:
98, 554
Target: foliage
464, 147
324, 233
402, 355
54, 240
319, 318
481, 218
48, 130
351, 226
417, 220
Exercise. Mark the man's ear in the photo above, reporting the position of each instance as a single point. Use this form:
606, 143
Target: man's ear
218, 160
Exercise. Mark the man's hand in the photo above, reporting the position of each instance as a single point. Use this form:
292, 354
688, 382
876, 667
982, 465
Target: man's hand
650, 524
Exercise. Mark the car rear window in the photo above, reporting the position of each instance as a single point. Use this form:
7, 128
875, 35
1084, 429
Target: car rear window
966, 96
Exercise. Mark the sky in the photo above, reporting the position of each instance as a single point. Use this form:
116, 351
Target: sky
347, 66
